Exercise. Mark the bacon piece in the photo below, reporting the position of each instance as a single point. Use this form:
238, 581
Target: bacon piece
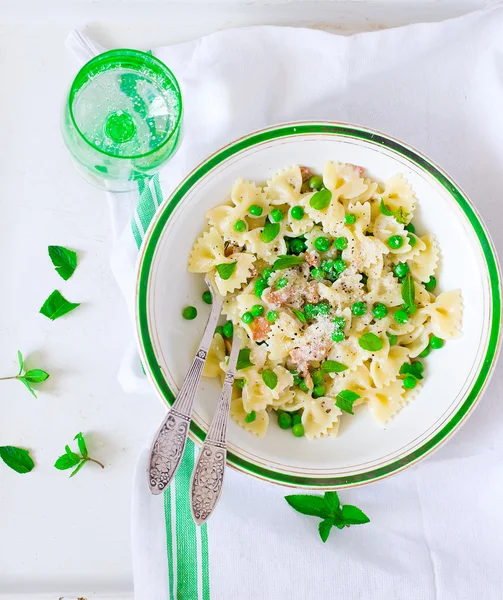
277, 298
305, 172
228, 346
315, 350
311, 293
357, 168
260, 328
312, 259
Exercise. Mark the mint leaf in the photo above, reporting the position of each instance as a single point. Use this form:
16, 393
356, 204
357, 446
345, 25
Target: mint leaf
270, 378
332, 501
385, 210
66, 461
244, 361
35, 376
411, 369
320, 200
370, 342
30, 389
408, 291
270, 231
56, 306
339, 521
300, 315
314, 506
75, 471
64, 260
225, 270
72, 454
344, 400
324, 529
286, 261
82, 444
352, 515
21, 362
332, 366
17, 459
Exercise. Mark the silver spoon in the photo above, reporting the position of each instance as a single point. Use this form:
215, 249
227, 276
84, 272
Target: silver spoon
208, 474
169, 442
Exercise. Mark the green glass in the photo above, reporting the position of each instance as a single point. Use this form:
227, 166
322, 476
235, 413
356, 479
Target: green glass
122, 118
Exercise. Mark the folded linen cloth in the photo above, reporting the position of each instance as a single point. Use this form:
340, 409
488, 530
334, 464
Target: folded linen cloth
435, 528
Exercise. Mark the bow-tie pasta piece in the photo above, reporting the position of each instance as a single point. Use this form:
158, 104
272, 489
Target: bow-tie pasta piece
424, 264
446, 315
216, 354
207, 252
285, 186
257, 427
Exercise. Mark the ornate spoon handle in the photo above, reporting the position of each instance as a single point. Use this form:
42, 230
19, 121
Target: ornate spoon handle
169, 443
208, 474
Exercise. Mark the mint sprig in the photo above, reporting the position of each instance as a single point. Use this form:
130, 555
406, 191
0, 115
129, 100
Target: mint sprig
27, 377
329, 509
56, 306
71, 459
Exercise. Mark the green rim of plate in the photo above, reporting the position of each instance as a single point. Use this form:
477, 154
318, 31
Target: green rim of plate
378, 139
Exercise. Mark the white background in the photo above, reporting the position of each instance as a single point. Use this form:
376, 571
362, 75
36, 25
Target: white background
61, 536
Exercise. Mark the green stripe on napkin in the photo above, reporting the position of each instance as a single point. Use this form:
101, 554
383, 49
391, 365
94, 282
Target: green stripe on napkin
186, 544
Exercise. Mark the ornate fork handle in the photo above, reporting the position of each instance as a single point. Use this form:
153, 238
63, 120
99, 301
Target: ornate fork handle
169, 442
208, 475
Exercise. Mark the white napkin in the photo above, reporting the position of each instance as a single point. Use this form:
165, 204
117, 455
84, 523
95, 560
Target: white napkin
435, 529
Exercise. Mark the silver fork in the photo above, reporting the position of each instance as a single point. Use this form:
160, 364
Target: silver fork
208, 474
169, 442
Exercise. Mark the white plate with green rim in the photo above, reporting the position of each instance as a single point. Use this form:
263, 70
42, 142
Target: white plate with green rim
456, 375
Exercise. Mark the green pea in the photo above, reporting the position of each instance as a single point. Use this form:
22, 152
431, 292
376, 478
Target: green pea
340, 265
247, 317
296, 419
431, 284
317, 377
339, 322
284, 420
401, 270
255, 210
260, 285
401, 316
266, 273
392, 338
189, 313
323, 308
338, 335
322, 244
298, 430
317, 273
250, 417
359, 309
412, 240
219, 329
349, 218
276, 215
311, 311
436, 343
296, 377
410, 228
409, 382
328, 264
303, 386
315, 182
240, 383
257, 310
297, 213
341, 243
318, 391
207, 297
281, 283
380, 310
296, 245
425, 352
395, 242
228, 329
240, 226
272, 315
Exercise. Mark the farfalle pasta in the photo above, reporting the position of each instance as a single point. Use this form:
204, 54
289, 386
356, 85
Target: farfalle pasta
332, 293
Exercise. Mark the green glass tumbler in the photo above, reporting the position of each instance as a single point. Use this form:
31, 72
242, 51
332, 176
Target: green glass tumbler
122, 118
